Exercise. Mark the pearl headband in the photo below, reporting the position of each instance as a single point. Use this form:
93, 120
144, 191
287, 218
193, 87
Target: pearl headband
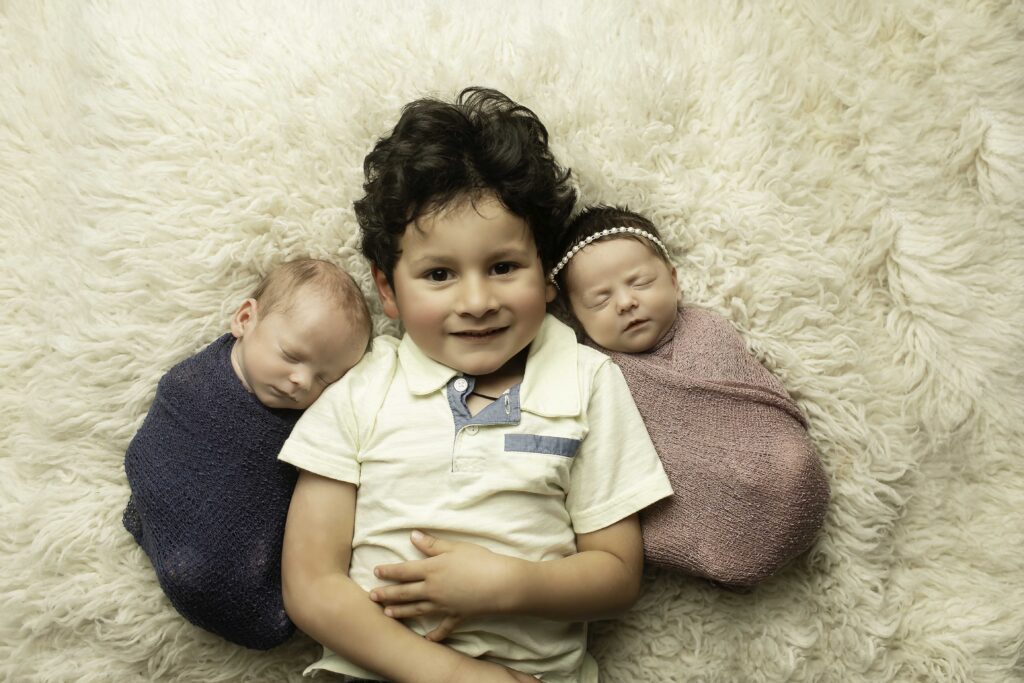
639, 232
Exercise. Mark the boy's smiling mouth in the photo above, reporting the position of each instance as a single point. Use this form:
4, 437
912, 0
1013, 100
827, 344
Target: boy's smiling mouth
485, 333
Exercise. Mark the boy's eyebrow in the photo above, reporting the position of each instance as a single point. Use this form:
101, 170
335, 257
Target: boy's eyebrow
431, 259
501, 255
498, 254
509, 252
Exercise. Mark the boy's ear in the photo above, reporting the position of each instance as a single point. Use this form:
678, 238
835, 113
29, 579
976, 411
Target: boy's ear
550, 292
385, 291
244, 318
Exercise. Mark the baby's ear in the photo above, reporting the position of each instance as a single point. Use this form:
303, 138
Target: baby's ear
244, 318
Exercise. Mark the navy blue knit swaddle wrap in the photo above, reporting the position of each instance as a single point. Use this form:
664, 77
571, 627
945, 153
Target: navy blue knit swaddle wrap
209, 498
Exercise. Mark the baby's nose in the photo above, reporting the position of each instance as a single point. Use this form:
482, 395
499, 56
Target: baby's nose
302, 378
625, 301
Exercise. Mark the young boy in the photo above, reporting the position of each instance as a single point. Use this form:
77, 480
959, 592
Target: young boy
518, 453
750, 491
209, 498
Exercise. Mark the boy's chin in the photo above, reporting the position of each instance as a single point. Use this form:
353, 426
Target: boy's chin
480, 367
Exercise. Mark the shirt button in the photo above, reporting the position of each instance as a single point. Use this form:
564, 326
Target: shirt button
472, 429
460, 385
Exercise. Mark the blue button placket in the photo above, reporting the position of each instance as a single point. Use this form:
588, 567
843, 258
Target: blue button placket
504, 411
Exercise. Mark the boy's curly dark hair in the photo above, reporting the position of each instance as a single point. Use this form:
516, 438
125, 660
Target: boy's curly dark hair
440, 152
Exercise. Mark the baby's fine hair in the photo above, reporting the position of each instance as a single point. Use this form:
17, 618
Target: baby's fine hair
594, 219
277, 291
441, 152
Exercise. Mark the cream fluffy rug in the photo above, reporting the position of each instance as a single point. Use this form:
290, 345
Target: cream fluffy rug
843, 180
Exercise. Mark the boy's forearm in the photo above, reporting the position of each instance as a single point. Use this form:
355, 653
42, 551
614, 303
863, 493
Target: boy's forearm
461, 580
338, 614
592, 584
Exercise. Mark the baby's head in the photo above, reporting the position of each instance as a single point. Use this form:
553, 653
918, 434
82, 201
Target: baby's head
303, 328
616, 278
464, 202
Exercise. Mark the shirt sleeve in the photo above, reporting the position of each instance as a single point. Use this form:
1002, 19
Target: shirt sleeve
616, 471
328, 438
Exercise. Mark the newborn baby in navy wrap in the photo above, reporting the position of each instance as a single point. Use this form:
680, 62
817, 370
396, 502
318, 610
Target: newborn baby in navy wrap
209, 498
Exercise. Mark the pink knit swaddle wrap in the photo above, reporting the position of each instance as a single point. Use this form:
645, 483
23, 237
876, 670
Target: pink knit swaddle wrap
750, 491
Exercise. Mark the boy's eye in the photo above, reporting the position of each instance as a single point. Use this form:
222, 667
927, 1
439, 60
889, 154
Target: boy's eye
599, 301
643, 282
437, 275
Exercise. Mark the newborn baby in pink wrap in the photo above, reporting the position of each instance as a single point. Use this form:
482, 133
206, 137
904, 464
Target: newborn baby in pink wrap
750, 491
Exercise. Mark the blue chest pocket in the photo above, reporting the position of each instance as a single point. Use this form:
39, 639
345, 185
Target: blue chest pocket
538, 443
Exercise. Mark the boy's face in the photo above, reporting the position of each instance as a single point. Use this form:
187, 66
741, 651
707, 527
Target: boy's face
468, 286
289, 356
623, 294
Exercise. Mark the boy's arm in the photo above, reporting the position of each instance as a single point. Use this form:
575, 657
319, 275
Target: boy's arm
461, 580
601, 580
325, 603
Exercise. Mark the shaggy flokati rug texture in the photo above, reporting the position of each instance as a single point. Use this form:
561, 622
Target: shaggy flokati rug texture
844, 181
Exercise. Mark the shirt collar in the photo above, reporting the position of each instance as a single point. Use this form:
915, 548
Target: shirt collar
423, 374
550, 385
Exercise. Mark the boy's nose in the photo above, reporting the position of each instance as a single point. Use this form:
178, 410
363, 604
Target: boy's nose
476, 298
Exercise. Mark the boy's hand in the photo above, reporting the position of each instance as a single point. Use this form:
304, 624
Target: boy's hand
457, 580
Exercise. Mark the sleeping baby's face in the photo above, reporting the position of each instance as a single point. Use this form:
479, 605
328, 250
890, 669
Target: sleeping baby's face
290, 355
624, 295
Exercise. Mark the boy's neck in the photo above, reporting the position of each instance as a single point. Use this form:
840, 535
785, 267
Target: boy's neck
508, 375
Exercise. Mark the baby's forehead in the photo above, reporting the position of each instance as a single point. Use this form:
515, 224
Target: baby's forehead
308, 303
609, 258
626, 247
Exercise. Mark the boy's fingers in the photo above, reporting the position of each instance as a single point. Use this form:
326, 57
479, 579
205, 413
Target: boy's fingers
399, 593
414, 570
414, 609
430, 545
443, 629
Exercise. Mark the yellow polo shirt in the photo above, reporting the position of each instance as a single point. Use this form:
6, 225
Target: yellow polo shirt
564, 452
